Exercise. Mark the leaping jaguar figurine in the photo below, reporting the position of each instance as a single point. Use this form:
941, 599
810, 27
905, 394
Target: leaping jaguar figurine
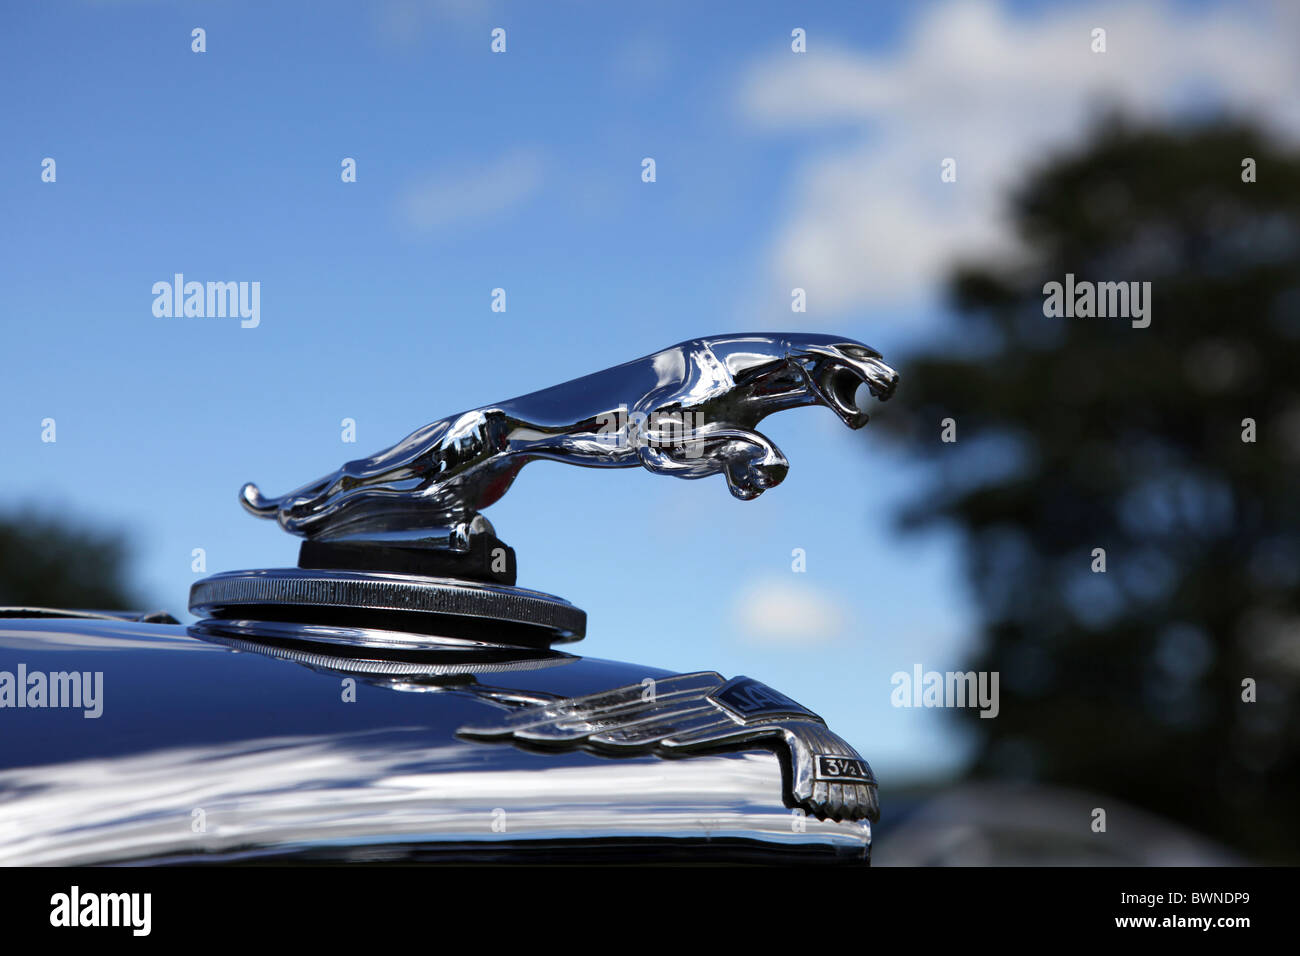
689, 411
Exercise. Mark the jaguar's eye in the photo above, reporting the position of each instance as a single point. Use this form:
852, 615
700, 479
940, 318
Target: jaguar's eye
859, 352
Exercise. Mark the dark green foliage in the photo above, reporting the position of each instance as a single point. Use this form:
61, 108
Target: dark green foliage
1083, 433
47, 562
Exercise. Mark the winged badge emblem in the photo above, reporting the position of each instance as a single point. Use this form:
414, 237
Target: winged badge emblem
695, 713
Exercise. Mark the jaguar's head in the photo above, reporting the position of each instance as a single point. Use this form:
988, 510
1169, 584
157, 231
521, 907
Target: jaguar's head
836, 371
772, 372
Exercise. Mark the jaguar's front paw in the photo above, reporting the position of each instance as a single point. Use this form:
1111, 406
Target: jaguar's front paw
753, 466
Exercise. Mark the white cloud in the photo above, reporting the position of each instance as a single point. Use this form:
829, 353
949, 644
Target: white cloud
789, 612
872, 225
450, 197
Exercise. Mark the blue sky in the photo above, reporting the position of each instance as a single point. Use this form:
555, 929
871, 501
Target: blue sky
522, 171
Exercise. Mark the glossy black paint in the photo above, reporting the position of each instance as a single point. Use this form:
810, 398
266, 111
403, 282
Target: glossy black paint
284, 765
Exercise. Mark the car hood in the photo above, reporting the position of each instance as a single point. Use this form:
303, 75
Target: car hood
220, 744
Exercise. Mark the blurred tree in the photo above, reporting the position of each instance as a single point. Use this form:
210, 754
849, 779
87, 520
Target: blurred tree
45, 562
1081, 433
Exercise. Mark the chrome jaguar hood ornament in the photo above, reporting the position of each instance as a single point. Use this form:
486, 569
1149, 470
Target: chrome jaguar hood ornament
399, 539
689, 411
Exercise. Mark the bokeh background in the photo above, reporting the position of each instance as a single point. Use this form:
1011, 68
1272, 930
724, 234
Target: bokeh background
775, 170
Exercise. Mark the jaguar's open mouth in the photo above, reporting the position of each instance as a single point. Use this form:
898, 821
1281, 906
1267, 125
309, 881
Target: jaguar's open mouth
842, 375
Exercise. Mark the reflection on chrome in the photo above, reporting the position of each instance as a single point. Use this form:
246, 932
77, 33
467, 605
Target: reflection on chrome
453, 656
278, 795
429, 488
